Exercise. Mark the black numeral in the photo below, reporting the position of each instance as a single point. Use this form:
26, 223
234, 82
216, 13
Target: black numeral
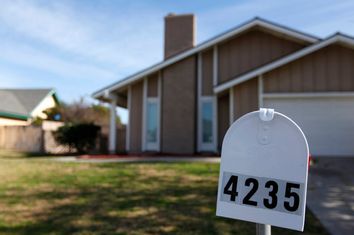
233, 184
294, 195
272, 194
247, 199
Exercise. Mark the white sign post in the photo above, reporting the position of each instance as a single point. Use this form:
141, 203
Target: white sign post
263, 172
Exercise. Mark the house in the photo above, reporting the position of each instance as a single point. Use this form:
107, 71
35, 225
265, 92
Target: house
185, 104
19, 107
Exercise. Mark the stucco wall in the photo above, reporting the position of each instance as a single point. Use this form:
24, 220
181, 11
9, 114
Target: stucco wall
329, 69
179, 107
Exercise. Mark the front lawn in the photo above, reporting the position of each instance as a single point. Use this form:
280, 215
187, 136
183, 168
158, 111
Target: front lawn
39, 196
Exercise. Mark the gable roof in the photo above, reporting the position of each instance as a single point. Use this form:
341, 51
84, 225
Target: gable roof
207, 44
338, 37
19, 103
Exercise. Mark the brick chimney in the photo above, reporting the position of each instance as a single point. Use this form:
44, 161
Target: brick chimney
179, 33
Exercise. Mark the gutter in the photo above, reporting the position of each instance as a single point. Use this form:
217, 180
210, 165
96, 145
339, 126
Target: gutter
14, 116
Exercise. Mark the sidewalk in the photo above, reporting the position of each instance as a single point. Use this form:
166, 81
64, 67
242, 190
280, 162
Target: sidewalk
331, 194
140, 159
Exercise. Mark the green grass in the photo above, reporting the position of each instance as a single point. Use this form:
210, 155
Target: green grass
39, 196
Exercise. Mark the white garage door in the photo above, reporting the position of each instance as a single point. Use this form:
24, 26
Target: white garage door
328, 122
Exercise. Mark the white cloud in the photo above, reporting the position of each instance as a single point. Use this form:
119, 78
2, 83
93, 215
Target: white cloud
60, 44
331, 18
90, 35
217, 20
9, 78
48, 24
32, 58
318, 17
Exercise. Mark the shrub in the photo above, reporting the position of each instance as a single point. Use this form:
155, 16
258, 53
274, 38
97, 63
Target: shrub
81, 136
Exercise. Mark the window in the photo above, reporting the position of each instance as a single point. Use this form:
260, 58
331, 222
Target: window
152, 124
207, 122
151, 119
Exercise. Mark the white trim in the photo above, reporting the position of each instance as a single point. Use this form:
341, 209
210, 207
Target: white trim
199, 94
127, 133
152, 99
231, 105
200, 145
260, 91
215, 65
159, 103
112, 147
145, 145
143, 132
204, 46
309, 95
215, 104
296, 55
215, 123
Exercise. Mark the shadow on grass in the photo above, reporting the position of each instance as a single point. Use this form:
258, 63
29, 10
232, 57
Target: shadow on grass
133, 203
8, 154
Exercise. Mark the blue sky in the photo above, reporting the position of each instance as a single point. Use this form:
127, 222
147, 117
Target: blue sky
80, 46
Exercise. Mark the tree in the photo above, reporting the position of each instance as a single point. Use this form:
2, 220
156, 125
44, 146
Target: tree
80, 136
81, 112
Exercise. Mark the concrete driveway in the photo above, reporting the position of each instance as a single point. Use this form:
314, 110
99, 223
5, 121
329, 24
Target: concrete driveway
331, 194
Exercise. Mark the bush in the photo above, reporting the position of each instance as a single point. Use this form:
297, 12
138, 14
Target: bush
81, 136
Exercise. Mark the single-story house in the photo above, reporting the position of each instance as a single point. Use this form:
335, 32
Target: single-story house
19, 107
185, 104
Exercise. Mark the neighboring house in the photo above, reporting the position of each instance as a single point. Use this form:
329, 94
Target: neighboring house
19, 107
185, 104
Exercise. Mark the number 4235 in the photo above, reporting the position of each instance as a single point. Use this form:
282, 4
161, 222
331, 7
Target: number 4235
271, 201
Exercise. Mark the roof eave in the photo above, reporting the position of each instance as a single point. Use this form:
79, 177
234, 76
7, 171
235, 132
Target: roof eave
50, 93
203, 46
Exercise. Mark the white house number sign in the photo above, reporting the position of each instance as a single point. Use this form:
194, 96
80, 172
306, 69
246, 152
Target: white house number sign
263, 171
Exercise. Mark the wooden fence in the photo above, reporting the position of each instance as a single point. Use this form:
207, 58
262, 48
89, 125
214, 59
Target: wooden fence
37, 140
29, 139
22, 138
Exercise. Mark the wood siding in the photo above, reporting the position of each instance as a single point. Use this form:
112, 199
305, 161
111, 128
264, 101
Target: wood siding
223, 117
179, 107
152, 86
135, 117
207, 73
250, 50
245, 98
329, 69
